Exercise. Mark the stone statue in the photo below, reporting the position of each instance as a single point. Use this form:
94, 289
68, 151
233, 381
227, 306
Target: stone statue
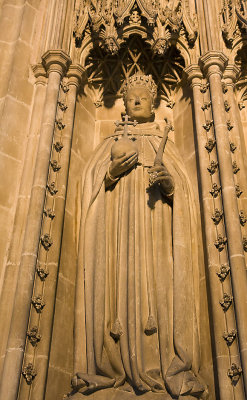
136, 329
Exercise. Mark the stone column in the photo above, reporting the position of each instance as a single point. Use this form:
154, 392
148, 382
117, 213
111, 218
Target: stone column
221, 321
213, 64
39, 355
56, 62
13, 262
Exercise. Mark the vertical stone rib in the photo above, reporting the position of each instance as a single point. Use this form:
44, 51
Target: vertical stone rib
222, 354
12, 267
214, 63
42, 352
56, 63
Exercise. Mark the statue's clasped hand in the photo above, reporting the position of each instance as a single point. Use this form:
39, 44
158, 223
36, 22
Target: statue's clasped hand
160, 175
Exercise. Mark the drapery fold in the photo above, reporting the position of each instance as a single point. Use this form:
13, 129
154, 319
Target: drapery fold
137, 296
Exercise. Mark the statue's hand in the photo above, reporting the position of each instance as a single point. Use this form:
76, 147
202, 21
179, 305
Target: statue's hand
159, 174
122, 164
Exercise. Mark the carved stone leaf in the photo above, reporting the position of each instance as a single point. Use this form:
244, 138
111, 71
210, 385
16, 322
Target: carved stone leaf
29, 373
226, 302
234, 373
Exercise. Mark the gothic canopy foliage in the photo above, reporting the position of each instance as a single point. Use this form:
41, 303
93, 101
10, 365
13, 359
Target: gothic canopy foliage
159, 22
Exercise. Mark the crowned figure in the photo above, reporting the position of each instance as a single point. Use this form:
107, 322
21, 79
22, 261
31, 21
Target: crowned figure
137, 295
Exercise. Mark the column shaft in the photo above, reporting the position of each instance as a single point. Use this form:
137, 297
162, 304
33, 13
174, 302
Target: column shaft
13, 262
222, 355
233, 229
17, 336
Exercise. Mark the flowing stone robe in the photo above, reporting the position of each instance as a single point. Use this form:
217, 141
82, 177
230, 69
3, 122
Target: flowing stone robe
137, 279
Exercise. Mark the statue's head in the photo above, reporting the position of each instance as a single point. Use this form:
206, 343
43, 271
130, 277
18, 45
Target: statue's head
139, 93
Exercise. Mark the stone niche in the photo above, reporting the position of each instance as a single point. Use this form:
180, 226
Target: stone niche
99, 105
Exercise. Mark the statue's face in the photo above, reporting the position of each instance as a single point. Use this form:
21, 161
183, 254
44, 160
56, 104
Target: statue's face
139, 104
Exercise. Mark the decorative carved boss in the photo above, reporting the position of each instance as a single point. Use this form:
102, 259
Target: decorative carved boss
159, 22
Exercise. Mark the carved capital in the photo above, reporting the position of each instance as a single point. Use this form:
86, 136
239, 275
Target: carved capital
231, 74
213, 62
193, 74
40, 74
76, 74
56, 61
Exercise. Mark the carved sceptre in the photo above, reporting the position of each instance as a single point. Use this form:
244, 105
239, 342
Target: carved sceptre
159, 155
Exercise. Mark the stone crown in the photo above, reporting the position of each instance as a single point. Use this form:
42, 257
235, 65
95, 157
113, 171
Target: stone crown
140, 80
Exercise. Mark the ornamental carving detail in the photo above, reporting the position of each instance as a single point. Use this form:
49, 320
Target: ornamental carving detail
217, 216
55, 166
63, 107
33, 336
238, 190
58, 146
223, 272
242, 218
245, 243
207, 125
206, 105
234, 373
46, 241
212, 168
110, 23
38, 303
232, 147
52, 188
226, 302
230, 337
229, 125
227, 106
215, 191
204, 87
235, 167
49, 213
210, 145
60, 125
220, 242
29, 373
42, 272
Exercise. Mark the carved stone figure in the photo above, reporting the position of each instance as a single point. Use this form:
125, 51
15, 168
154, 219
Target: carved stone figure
137, 302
